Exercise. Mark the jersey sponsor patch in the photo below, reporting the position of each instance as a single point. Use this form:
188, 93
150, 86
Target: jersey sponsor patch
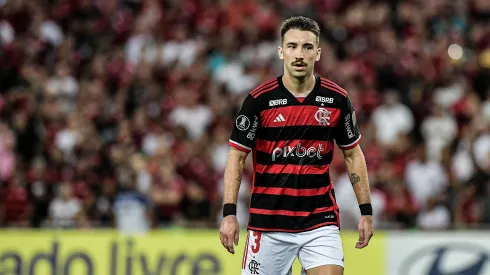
253, 130
242, 123
299, 151
347, 123
277, 102
324, 99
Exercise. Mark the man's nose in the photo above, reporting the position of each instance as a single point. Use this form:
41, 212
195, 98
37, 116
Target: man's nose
299, 55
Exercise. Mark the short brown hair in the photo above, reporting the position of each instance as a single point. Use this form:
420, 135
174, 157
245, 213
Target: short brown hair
300, 23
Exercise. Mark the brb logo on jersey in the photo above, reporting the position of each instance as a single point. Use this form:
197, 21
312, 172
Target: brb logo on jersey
323, 99
278, 102
298, 151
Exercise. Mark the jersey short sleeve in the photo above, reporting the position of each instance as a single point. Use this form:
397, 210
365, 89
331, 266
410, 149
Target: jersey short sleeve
246, 126
347, 134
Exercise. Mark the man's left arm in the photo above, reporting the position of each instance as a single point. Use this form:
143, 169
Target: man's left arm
348, 137
357, 169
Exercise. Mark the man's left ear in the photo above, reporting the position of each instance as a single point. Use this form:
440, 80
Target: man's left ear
318, 53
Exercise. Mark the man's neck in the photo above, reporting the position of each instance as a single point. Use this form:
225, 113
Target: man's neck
299, 87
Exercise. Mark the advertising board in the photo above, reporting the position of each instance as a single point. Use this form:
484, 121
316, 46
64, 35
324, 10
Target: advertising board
438, 253
164, 252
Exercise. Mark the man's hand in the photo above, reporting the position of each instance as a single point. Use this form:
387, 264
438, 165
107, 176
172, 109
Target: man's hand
229, 232
366, 231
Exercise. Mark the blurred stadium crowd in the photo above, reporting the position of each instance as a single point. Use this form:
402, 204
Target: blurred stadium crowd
108, 101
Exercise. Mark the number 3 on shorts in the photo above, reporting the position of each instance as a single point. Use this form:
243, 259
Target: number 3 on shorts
256, 245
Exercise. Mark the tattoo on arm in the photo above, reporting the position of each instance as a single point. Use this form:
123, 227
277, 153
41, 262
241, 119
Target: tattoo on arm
239, 178
354, 178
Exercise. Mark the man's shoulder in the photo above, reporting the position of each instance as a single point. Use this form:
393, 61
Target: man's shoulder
265, 87
330, 87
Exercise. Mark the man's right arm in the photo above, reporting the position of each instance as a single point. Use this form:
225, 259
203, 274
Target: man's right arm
230, 229
233, 175
242, 141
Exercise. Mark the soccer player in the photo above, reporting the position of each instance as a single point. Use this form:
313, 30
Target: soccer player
290, 124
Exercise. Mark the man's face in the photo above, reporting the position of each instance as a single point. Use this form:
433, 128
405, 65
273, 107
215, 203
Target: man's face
300, 52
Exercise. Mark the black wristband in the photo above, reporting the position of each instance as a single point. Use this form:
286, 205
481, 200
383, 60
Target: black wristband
229, 209
366, 209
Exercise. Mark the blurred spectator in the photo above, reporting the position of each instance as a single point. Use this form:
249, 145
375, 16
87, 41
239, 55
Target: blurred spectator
486, 109
391, 119
65, 211
462, 163
467, 210
449, 94
99, 205
7, 33
132, 211
481, 150
143, 177
439, 130
401, 207
70, 136
485, 206
434, 216
425, 178
7, 156
167, 192
220, 147
64, 87
17, 209
40, 190
194, 117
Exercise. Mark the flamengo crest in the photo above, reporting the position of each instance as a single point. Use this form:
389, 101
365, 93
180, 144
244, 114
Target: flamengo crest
323, 116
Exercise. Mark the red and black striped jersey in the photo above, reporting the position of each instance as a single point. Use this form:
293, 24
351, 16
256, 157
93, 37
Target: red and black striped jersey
292, 143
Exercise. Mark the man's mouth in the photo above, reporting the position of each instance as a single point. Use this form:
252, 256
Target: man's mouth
299, 67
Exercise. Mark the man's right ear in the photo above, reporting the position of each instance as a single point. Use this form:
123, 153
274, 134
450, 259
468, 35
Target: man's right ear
279, 52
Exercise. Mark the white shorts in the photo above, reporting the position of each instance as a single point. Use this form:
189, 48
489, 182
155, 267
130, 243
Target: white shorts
273, 253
